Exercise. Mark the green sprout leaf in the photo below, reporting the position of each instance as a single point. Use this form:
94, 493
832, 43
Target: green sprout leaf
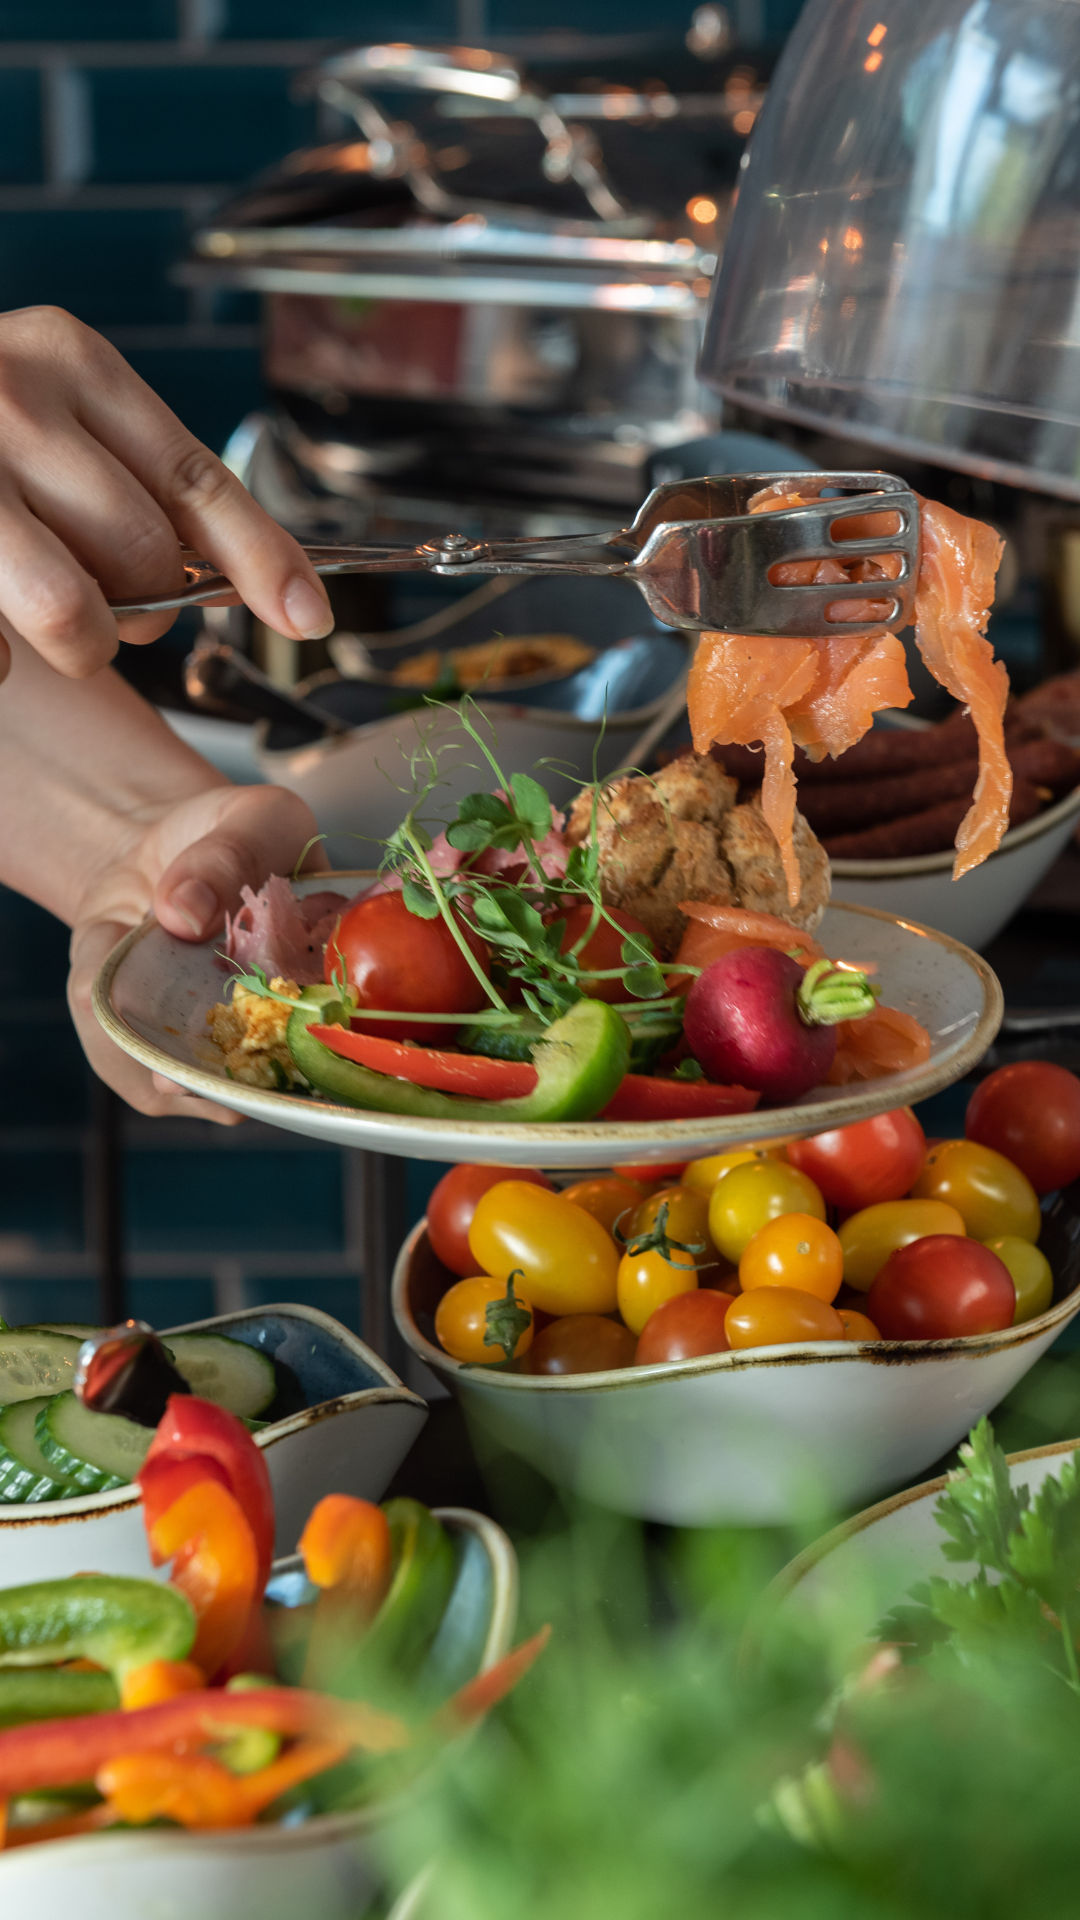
689, 1069
532, 804
980, 1508
420, 900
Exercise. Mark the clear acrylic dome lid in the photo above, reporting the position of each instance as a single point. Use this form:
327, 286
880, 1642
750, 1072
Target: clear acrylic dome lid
904, 261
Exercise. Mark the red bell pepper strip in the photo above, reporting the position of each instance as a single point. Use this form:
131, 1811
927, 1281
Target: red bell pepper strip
59, 1753
190, 1426
470, 1073
644, 1097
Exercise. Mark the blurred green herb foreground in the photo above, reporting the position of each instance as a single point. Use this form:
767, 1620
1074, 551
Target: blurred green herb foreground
662, 1760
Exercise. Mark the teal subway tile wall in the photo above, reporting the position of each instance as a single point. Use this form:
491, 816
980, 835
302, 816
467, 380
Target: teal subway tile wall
122, 122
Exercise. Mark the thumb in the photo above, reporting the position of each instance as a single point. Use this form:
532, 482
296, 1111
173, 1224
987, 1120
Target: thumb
236, 837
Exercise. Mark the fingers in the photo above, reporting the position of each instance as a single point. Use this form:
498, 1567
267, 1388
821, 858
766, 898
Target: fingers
209, 508
252, 832
147, 1092
48, 597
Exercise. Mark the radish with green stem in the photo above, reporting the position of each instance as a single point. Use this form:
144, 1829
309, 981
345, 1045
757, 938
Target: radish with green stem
757, 1018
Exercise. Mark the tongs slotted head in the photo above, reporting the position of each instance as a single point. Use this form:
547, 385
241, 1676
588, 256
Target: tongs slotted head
701, 558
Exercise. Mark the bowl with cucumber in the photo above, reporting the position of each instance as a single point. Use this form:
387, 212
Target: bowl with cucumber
330, 1416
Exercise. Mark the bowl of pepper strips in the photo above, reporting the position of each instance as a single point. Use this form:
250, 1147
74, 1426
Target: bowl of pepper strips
224, 1739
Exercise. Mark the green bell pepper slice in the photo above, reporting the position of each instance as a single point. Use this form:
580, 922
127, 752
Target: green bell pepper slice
118, 1622
579, 1064
54, 1693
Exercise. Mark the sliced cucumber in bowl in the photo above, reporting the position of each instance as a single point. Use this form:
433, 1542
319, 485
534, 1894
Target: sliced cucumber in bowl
25, 1474
94, 1451
35, 1362
229, 1372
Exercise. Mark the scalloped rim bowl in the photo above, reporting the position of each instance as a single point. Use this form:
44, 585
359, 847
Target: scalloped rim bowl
152, 993
327, 1866
757, 1437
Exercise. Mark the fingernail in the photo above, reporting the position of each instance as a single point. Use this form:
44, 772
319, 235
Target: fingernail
308, 609
196, 903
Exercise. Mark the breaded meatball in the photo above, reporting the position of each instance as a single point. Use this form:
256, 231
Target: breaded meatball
750, 849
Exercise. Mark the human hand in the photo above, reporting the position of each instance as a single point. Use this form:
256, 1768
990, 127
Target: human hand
187, 865
100, 486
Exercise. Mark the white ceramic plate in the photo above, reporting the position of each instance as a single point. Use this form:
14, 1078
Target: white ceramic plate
153, 992
329, 1867
844, 1584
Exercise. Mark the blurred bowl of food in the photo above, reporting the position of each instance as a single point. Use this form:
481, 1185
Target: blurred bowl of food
334, 1419
326, 1863
757, 1436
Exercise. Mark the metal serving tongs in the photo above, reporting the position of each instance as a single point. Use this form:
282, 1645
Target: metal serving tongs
700, 558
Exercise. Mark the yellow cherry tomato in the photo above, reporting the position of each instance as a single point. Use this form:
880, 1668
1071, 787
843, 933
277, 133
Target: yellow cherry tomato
462, 1321
868, 1237
568, 1262
750, 1195
993, 1196
610, 1199
687, 1218
647, 1280
857, 1326
703, 1175
1032, 1274
796, 1250
780, 1316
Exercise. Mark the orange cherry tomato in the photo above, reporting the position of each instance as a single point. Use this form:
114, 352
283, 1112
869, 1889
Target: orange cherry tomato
749, 1196
609, 1200
857, 1326
781, 1316
647, 1280
567, 1260
796, 1250
581, 1343
461, 1321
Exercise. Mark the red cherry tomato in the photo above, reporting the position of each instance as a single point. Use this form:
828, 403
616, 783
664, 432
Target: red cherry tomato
581, 1343
396, 960
683, 1328
453, 1203
862, 1165
602, 950
940, 1288
1030, 1112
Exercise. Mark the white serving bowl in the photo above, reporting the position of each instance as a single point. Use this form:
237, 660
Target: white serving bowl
351, 1436
975, 908
328, 1868
845, 1583
758, 1437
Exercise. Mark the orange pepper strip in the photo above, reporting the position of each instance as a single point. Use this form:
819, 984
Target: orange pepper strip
347, 1543
189, 1788
59, 1753
215, 1565
476, 1698
306, 1758
160, 1680
90, 1820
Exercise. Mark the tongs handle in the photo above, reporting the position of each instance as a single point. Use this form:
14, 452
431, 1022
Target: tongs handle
455, 554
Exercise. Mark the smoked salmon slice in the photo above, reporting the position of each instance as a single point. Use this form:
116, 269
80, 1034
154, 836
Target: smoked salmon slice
957, 570
884, 1041
822, 693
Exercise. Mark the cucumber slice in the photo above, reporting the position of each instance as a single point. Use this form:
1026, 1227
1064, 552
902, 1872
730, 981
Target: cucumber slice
75, 1329
24, 1471
98, 1451
34, 1362
226, 1371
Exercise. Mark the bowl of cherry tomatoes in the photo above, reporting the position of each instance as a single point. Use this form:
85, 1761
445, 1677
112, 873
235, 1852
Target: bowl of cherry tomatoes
790, 1326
